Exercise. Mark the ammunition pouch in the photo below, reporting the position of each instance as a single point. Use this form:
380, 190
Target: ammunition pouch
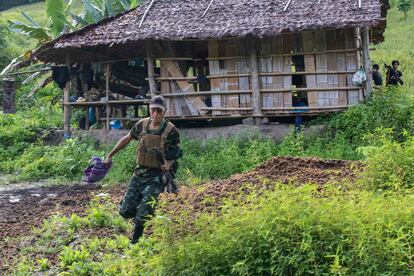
150, 144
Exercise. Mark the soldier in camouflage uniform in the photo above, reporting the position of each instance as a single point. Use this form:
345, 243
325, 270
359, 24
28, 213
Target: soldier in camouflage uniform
155, 134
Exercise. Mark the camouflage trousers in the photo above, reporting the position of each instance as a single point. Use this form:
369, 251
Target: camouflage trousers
140, 200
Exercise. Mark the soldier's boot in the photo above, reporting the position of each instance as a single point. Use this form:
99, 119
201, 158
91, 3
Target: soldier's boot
138, 230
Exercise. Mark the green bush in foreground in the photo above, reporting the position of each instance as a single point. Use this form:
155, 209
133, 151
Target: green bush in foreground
292, 231
288, 231
390, 165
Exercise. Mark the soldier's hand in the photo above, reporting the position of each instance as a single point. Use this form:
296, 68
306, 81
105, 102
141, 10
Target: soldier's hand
165, 167
108, 159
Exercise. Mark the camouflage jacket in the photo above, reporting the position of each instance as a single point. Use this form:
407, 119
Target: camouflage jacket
172, 148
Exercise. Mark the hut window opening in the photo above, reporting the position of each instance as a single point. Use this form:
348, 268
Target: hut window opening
299, 98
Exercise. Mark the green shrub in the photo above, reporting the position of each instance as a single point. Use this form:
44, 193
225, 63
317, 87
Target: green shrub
325, 145
389, 164
290, 231
221, 157
66, 161
391, 108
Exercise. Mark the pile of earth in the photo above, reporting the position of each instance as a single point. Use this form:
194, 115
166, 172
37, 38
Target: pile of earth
287, 170
23, 209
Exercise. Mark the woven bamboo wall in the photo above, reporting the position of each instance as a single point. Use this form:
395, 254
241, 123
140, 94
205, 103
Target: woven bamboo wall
221, 64
315, 65
332, 57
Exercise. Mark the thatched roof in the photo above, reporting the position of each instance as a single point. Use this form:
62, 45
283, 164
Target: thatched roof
182, 20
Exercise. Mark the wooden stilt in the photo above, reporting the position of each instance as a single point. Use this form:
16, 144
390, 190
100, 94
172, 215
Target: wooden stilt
87, 125
67, 108
108, 109
9, 95
367, 61
151, 73
255, 80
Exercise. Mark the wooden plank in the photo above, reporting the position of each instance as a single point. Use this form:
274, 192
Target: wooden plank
311, 80
340, 39
349, 38
244, 82
320, 40
265, 66
321, 62
66, 109
308, 41
367, 60
255, 79
333, 79
331, 40
287, 43
310, 65
351, 60
151, 74
297, 43
195, 104
274, 74
228, 108
108, 109
231, 68
242, 92
341, 65
291, 54
287, 81
277, 45
214, 70
165, 89
324, 89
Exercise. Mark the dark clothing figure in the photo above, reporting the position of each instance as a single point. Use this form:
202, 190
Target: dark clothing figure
394, 77
60, 75
147, 183
377, 78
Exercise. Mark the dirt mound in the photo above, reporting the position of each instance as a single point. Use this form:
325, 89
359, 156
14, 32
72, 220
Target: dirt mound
21, 210
297, 171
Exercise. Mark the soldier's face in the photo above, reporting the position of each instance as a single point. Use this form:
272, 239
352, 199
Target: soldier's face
157, 114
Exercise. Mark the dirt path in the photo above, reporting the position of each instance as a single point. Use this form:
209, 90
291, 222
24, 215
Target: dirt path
23, 209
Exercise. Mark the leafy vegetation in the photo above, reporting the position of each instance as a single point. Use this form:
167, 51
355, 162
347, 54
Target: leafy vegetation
389, 163
281, 232
290, 231
405, 6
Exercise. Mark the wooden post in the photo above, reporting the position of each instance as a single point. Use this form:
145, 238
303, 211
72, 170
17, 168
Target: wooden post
257, 112
87, 118
108, 110
357, 34
9, 96
367, 61
151, 73
67, 108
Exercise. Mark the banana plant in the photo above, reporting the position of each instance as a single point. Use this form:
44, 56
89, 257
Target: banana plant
62, 18
96, 10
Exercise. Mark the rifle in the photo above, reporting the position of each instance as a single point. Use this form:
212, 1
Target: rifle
171, 185
396, 76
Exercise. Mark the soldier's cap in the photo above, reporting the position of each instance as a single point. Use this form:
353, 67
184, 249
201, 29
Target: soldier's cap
158, 102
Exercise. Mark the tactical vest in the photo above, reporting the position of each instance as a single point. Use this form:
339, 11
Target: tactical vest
149, 144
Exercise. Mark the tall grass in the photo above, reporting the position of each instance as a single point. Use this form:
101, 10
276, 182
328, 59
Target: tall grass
293, 232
